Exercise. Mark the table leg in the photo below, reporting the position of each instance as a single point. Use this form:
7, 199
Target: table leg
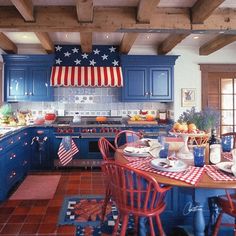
198, 220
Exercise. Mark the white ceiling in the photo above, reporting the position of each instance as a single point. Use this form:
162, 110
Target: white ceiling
151, 39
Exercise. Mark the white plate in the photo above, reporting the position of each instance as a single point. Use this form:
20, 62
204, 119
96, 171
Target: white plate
225, 166
162, 164
137, 152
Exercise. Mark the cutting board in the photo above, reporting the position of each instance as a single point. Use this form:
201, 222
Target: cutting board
142, 122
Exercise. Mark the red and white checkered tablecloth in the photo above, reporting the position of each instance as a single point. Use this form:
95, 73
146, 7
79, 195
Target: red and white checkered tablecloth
133, 158
215, 173
227, 155
192, 175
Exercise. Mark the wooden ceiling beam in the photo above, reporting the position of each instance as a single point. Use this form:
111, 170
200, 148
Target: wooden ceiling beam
106, 19
46, 41
84, 10
145, 10
170, 42
86, 41
64, 19
216, 43
6, 44
202, 9
25, 7
127, 42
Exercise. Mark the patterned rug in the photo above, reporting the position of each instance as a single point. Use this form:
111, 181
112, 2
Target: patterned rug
85, 213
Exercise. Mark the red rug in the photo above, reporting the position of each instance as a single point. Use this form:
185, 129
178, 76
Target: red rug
37, 187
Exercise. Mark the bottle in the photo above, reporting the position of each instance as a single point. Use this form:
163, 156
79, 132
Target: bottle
214, 148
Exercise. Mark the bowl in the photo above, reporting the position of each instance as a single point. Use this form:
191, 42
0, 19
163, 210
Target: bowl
50, 116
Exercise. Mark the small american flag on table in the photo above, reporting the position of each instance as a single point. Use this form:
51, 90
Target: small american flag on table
67, 150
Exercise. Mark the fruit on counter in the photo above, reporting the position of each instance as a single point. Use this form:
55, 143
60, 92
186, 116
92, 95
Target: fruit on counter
136, 118
101, 118
149, 117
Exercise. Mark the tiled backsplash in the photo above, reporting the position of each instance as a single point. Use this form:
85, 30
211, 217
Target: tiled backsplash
90, 102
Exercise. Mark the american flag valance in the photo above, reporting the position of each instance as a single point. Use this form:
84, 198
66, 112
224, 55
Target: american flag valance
86, 76
100, 68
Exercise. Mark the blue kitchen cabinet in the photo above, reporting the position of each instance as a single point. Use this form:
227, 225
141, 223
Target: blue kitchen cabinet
14, 161
27, 78
41, 156
148, 78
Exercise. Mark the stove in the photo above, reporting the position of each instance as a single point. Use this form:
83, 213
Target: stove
108, 122
63, 120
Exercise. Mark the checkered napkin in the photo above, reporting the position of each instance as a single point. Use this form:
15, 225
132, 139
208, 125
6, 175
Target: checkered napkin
191, 175
217, 174
132, 159
227, 155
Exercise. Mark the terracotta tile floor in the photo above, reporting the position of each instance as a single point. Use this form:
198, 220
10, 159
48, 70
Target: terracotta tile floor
39, 217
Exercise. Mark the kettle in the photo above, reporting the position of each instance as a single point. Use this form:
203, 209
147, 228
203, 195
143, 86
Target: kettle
76, 118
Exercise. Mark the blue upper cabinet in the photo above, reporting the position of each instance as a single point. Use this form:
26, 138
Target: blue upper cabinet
148, 78
27, 77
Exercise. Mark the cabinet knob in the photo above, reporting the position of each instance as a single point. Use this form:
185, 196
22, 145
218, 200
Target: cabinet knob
26, 93
30, 93
146, 93
150, 93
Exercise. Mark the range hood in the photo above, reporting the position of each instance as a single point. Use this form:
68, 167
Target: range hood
86, 76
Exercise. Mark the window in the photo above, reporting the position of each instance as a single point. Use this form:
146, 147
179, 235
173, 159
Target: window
219, 92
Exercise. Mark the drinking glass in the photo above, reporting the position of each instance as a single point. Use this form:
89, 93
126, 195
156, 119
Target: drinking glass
164, 151
199, 156
226, 143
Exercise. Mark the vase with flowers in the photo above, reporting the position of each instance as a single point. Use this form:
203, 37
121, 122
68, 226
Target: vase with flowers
205, 120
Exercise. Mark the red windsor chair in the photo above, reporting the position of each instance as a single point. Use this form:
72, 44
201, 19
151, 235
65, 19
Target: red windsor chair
126, 136
107, 150
136, 193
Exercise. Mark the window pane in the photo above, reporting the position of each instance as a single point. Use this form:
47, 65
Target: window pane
226, 85
226, 129
227, 117
226, 101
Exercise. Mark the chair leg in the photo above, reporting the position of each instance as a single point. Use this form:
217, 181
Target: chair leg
124, 225
115, 230
159, 226
151, 226
217, 224
105, 203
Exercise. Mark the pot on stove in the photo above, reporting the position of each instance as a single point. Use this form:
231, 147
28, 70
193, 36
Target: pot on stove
76, 118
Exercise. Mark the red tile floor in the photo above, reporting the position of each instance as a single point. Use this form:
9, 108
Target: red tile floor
39, 217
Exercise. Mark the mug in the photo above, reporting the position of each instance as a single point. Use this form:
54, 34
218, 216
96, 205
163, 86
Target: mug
164, 150
199, 156
226, 143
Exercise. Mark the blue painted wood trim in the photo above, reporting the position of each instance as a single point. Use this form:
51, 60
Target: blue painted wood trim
28, 59
147, 60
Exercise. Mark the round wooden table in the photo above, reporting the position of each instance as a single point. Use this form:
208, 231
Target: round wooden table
205, 182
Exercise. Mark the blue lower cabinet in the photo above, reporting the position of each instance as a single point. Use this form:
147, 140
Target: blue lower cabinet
41, 156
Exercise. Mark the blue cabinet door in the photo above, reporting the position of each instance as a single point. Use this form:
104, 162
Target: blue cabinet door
16, 83
135, 83
160, 84
39, 84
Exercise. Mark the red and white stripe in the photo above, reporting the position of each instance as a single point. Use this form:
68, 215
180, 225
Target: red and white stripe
65, 156
86, 76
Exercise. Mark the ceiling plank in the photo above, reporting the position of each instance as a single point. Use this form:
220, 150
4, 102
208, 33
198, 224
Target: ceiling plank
216, 43
86, 40
145, 10
6, 44
84, 10
46, 41
170, 42
127, 42
25, 7
202, 9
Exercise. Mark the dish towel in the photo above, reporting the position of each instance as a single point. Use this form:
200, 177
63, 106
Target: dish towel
67, 150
